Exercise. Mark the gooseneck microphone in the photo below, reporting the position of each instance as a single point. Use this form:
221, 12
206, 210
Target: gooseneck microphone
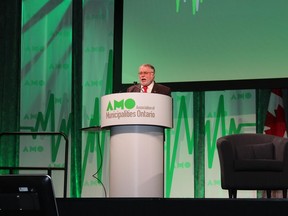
133, 86
136, 86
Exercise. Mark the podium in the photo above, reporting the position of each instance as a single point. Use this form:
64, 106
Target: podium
136, 122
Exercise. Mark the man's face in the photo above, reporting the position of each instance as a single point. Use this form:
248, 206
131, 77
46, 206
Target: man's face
146, 75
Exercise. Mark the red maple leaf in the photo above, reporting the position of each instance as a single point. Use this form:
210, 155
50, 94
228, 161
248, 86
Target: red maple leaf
276, 124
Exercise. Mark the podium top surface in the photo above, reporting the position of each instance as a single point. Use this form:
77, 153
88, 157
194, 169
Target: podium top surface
135, 108
92, 129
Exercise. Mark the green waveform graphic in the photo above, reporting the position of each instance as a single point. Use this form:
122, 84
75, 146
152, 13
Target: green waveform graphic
97, 140
42, 122
211, 135
95, 144
195, 5
94, 140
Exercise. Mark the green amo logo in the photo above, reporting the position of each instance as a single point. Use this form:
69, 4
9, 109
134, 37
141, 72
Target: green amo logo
122, 104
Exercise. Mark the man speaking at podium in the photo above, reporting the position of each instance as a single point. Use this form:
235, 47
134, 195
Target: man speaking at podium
137, 136
147, 84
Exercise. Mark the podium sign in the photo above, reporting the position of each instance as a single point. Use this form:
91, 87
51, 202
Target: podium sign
136, 108
136, 122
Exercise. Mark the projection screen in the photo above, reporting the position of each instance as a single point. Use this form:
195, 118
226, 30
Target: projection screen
203, 44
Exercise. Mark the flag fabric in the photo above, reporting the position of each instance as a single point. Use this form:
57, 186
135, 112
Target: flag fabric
275, 123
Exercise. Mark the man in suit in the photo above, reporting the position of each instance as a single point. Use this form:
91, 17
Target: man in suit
147, 83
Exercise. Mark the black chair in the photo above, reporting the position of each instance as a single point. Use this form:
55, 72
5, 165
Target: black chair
253, 162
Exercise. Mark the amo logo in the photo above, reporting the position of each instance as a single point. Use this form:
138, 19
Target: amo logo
122, 104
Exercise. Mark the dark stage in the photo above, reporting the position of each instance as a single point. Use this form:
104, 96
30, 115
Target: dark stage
171, 206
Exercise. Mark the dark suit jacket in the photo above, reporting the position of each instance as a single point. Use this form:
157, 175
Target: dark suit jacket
157, 88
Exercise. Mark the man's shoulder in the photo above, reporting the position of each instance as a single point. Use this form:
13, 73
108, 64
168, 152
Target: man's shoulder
162, 89
133, 88
129, 88
161, 86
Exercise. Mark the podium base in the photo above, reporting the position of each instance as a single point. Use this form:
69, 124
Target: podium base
136, 161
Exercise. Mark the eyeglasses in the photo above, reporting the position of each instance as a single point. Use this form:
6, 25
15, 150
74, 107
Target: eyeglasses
145, 73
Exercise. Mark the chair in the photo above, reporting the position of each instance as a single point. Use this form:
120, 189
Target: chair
253, 162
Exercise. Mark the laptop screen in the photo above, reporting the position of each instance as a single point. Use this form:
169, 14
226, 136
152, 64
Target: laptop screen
31, 195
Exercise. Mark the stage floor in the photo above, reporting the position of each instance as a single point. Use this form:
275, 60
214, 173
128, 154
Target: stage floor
171, 206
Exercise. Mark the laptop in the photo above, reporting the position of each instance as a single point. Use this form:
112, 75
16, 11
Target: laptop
31, 195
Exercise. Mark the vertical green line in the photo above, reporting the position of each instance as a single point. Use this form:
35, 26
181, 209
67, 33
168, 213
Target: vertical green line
194, 5
199, 144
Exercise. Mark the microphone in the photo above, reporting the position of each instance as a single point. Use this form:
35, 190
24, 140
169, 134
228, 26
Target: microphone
135, 85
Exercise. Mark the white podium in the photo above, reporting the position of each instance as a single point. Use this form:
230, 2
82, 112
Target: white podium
136, 122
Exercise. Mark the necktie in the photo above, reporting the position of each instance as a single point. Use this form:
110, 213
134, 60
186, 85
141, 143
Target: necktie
145, 89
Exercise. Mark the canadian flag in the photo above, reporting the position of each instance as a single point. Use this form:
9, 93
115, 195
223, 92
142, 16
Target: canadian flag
275, 123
